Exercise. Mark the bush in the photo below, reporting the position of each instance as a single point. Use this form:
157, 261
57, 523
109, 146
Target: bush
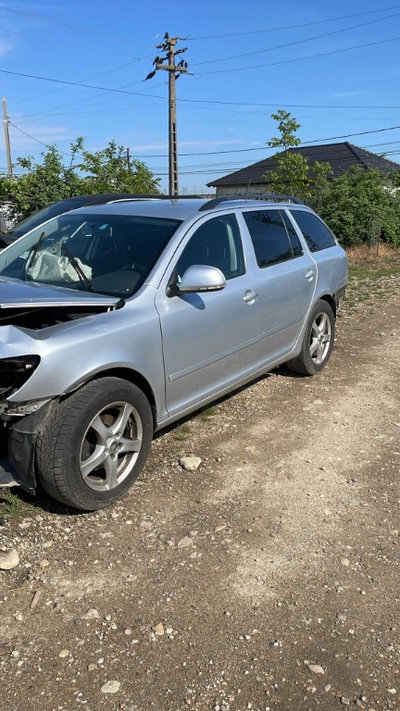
359, 203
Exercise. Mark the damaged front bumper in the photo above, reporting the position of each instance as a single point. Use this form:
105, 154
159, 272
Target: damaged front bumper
18, 468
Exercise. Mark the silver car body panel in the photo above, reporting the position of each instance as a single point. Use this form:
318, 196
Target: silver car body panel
15, 294
189, 348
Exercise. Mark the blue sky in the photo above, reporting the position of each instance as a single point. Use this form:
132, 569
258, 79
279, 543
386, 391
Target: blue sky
333, 65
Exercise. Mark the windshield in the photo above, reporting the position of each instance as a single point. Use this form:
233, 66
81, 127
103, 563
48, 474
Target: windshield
42, 215
107, 254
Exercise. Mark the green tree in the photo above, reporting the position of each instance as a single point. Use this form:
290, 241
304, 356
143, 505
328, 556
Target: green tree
287, 127
293, 174
108, 171
360, 201
45, 182
41, 184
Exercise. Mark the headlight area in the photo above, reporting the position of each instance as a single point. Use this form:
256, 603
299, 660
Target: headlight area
14, 372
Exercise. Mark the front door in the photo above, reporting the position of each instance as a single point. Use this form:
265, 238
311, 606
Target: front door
210, 340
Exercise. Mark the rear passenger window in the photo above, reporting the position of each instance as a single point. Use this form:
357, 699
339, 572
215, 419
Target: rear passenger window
294, 240
270, 237
315, 232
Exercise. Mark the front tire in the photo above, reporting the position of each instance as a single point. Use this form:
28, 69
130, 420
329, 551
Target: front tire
95, 444
318, 340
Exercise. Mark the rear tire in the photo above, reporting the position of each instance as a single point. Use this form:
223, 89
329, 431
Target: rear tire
318, 340
94, 446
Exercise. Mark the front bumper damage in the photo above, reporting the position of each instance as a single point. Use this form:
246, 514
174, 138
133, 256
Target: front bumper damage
18, 468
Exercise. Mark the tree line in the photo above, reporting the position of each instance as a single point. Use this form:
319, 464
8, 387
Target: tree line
354, 205
105, 171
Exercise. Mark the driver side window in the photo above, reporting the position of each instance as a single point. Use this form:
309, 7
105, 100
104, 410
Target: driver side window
216, 243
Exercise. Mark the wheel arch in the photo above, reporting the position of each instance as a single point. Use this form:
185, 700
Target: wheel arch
330, 300
132, 376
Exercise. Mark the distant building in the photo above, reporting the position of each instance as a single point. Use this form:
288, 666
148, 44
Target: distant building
340, 156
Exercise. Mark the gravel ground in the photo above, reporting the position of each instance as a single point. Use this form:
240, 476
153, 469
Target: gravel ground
266, 579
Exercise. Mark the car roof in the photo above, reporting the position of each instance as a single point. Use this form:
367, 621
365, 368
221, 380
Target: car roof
174, 209
98, 198
180, 208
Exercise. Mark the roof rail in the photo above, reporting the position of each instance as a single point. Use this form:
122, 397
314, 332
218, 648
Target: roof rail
271, 197
157, 197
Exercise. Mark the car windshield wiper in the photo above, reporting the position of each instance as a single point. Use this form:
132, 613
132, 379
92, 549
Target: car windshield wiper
81, 274
34, 250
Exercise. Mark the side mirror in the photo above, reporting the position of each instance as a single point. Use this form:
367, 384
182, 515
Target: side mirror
201, 278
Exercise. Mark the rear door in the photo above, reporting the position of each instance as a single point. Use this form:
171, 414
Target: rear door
331, 258
285, 279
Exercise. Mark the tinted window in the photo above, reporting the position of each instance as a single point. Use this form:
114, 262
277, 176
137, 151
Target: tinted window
294, 240
315, 232
216, 243
269, 236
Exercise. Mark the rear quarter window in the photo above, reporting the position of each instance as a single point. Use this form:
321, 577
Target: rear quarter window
315, 232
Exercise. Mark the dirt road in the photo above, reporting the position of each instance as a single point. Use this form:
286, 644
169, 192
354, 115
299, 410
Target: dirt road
266, 579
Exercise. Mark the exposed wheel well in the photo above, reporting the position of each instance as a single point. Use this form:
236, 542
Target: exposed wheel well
331, 301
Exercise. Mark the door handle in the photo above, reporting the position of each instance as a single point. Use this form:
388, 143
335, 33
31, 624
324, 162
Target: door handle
310, 275
249, 296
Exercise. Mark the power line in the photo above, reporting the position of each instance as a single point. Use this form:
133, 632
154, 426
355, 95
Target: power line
46, 145
71, 26
214, 101
296, 42
385, 143
93, 76
75, 83
300, 59
265, 147
290, 27
136, 107
48, 113
239, 150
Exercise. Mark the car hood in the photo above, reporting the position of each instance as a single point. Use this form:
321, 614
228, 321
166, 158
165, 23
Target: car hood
17, 294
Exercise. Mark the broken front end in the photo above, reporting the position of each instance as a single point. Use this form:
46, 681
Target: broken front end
21, 420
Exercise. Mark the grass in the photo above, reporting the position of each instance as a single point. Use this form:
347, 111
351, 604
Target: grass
13, 506
208, 412
367, 273
182, 433
373, 270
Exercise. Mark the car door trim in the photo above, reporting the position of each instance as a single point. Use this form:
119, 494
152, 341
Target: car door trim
173, 377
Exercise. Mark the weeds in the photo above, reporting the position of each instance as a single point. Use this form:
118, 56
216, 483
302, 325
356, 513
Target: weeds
13, 507
208, 412
366, 276
182, 433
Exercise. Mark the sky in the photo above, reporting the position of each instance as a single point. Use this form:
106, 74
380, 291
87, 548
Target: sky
333, 65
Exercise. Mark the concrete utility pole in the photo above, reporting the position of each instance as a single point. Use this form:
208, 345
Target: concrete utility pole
174, 71
7, 138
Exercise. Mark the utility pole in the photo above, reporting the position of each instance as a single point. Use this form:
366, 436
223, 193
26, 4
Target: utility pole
174, 72
7, 138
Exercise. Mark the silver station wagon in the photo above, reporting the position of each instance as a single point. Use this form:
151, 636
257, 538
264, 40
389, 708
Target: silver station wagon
116, 320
